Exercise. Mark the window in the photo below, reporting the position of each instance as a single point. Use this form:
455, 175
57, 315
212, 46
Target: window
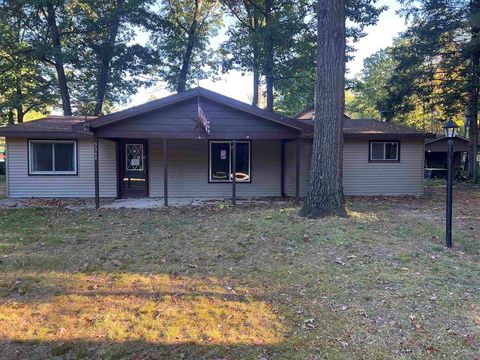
221, 164
384, 151
48, 157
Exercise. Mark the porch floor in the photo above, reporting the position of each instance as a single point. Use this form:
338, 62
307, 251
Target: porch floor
157, 203
130, 203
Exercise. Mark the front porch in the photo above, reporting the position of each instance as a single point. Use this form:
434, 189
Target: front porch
182, 170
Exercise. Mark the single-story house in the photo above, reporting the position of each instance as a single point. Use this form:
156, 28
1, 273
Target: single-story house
190, 145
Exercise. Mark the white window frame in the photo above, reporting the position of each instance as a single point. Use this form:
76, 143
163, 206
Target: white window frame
230, 178
397, 158
31, 171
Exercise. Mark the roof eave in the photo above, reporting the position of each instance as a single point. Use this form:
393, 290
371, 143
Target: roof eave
46, 134
379, 136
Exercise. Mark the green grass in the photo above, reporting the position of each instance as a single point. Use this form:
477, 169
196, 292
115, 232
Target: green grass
247, 282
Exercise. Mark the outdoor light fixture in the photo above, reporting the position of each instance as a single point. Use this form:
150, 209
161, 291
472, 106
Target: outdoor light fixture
450, 129
450, 133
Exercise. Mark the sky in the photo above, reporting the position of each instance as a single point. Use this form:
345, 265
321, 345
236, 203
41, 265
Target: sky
239, 86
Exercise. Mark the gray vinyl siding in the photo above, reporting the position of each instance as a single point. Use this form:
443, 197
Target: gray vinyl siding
290, 158
21, 185
362, 177
188, 170
107, 164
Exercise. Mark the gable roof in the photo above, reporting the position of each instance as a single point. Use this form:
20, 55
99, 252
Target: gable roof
189, 94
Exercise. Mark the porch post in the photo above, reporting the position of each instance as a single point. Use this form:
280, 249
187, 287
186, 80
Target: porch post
165, 173
282, 168
234, 172
297, 171
97, 181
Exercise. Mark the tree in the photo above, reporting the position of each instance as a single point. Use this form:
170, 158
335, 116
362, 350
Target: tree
325, 194
243, 49
110, 65
370, 90
295, 82
180, 36
437, 63
263, 38
26, 85
50, 12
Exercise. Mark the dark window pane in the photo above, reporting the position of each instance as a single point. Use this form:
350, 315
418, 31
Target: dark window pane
64, 156
377, 151
391, 151
42, 155
220, 161
243, 162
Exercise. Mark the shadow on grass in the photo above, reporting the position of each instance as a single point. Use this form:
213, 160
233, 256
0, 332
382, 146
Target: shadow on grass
105, 349
128, 313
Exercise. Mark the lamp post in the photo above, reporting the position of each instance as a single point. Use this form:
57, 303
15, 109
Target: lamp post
450, 133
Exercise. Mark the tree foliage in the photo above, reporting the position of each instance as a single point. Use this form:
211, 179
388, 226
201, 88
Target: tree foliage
87, 47
285, 35
181, 34
26, 84
431, 73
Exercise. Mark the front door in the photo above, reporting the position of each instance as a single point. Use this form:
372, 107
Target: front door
133, 166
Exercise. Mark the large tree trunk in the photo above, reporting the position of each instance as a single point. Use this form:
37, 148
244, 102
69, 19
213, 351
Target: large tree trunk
269, 56
106, 60
11, 117
472, 134
325, 194
187, 55
58, 59
257, 87
473, 91
256, 83
182, 76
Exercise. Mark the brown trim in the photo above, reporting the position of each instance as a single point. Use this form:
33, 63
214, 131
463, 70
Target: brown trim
383, 161
119, 163
282, 167
96, 172
147, 164
165, 172
297, 171
234, 170
52, 174
250, 156
119, 134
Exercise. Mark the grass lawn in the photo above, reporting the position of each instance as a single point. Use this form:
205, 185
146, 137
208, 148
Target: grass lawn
254, 282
